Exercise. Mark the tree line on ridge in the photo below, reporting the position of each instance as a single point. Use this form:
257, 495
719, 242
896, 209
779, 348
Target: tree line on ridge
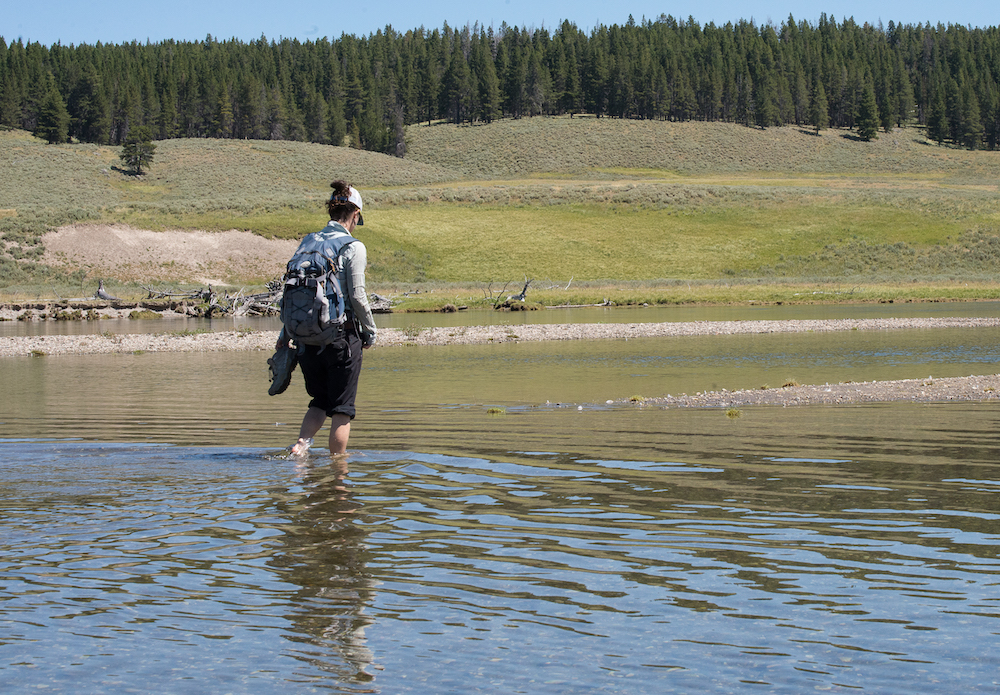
364, 91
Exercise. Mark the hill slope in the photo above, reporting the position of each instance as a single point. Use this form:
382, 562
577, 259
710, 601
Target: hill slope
555, 198
191, 173
516, 148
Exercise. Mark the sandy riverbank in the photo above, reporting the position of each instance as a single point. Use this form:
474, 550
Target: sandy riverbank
925, 389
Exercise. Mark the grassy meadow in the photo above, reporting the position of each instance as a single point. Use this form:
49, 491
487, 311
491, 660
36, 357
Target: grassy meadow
626, 211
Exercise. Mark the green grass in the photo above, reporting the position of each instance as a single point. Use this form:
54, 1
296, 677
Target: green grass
628, 211
588, 242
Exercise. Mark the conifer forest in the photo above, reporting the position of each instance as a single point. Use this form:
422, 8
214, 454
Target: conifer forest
364, 91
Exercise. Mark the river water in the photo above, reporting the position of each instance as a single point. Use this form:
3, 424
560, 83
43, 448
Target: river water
153, 538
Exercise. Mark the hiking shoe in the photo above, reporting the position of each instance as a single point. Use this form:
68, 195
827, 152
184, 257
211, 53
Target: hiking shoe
280, 367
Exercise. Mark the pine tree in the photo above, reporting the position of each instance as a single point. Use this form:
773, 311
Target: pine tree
956, 114
275, 118
595, 79
539, 85
753, 74
488, 84
10, 103
88, 104
315, 114
53, 118
354, 134
764, 102
744, 99
336, 123
972, 132
224, 120
800, 99
516, 75
167, 121
867, 119
904, 94
137, 152
457, 85
887, 112
10, 100
571, 96
991, 120
429, 80
937, 119
819, 112
295, 124
125, 114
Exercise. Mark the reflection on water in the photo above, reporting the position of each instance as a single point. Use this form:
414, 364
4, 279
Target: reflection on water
722, 564
567, 546
153, 569
322, 553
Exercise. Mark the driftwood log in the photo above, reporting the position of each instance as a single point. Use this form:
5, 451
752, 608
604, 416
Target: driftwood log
265, 303
204, 302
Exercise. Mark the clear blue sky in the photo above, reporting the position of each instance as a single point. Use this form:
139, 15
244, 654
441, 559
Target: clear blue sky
114, 21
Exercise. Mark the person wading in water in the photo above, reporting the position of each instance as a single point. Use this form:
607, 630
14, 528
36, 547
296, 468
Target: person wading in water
331, 370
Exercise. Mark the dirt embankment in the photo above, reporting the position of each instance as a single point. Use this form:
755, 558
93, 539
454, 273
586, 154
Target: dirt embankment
128, 254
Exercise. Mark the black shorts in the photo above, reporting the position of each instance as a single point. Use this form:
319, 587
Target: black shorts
331, 374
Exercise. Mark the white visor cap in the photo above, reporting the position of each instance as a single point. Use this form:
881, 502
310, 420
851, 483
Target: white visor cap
355, 198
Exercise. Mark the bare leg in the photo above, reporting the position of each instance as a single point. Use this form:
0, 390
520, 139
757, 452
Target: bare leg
340, 431
312, 422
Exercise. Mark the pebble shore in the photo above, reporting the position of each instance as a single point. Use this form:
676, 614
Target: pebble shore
928, 389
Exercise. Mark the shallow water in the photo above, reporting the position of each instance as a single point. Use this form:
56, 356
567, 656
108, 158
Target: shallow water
154, 539
213, 398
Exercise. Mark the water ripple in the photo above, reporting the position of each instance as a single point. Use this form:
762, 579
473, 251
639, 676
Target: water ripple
798, 556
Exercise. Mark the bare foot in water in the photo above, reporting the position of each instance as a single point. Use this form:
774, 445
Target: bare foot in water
300, 447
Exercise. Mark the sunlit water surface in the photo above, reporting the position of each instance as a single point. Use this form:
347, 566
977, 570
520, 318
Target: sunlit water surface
153, 538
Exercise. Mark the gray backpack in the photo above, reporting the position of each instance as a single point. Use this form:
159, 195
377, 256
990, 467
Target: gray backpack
313, 305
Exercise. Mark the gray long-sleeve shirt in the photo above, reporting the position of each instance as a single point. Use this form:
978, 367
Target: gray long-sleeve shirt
355, 257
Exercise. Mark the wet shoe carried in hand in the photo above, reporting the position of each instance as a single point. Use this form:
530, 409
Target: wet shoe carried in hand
280, 366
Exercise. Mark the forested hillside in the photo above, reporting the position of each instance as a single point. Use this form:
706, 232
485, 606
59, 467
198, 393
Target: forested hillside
363, 91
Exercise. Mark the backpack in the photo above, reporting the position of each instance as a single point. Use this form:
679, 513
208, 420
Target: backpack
313, 304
